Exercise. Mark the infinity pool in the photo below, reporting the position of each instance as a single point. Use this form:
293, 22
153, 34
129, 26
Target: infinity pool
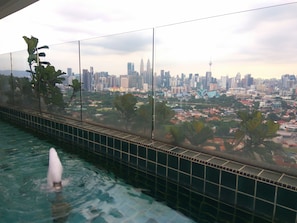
93, 194
97, 189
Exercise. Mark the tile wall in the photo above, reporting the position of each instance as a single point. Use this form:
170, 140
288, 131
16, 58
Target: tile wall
269, 194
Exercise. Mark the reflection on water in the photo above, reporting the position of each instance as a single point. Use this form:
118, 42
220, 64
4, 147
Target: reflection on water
98, 189
93, 193
60, 208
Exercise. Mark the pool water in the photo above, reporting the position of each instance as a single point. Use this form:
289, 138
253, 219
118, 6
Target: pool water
98, 190
93, 194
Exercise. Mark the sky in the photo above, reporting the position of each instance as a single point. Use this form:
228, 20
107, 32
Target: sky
256, 37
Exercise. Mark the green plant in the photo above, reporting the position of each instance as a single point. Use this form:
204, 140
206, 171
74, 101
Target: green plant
125, 104
76, 87
196, 132
44, 77
254, 129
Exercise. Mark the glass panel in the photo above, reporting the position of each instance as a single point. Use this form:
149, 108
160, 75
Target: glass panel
192, 89
24, 95
213, 72
65, 57
116, 83
6, 95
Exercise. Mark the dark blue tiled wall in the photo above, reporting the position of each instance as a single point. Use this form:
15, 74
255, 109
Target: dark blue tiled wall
231, 182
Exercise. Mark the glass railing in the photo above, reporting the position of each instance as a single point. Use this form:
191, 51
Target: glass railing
224, 85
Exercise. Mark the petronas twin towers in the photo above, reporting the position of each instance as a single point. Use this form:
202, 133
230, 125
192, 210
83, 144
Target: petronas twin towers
146, 74
148, 67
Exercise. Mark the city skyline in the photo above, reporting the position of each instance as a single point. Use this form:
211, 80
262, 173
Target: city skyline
135, 68
255, 38
141, 80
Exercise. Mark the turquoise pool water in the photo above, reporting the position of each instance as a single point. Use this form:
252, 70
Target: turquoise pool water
99, 190
93, 194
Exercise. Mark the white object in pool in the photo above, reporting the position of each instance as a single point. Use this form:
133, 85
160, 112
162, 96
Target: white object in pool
55, 170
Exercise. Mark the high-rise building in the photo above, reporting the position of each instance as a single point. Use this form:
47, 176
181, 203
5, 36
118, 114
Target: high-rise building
247, 81
165, 79
124, 82
224, 82
238, 80
86, 79
100, 81
208, 79
148, 66
69, 71
130, 68
92, 79
135, 81
141, 67
148, 75
113, 81
288, 81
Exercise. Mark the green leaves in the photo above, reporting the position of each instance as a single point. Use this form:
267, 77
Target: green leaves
196, 132
254, 130
125, 104
163, 112
33, 55
44, 76
31, 44
76, 87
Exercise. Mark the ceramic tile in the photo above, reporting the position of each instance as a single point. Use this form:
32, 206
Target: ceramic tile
212, 174
228, 179
246, 185
287, 198
173, 161
198, 170
265, 191
185, 165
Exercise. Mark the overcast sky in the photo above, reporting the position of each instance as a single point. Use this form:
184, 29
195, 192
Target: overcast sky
187, 35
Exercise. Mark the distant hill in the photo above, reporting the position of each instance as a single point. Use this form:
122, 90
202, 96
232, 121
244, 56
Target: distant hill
16, 73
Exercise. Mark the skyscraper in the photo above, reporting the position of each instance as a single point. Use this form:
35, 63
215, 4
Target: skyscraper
208, 79
86, 79
148, 66
224, 82
141, 67
69, 71
130, 68
148, 74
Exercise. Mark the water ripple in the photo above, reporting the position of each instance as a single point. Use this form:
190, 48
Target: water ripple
89, 194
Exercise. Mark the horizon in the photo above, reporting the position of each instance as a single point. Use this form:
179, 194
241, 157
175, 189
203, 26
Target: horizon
20, 73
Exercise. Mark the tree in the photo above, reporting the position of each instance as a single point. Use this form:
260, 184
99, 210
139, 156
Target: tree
125, 104
196, 132
177, 133
76, 87
274, 117
144, 115
163, 113
15, 90
254, 130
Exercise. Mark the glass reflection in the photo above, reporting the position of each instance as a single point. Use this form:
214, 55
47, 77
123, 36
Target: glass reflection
116, 84
6, 93
228, 81
223, 85
65, 57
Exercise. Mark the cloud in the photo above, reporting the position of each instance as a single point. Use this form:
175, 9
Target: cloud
273, 35
119, 43
267, 36
81, 13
